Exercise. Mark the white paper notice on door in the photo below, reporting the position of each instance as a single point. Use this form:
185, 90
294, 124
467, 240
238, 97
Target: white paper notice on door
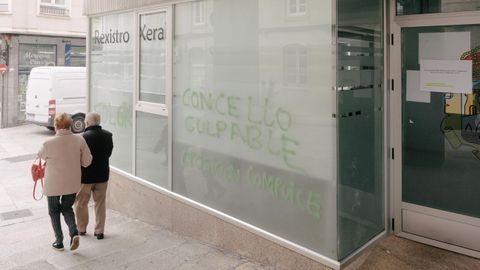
446, 76
443, 45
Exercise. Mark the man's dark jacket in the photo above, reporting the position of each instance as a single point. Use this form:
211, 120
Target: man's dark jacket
101, 145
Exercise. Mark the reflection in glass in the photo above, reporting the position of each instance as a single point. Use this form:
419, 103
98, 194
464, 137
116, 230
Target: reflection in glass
152, 57
245, 141
296, 7
295, 65
152, 148
360, 123
198, 13
409, 7
111, 85
441, 138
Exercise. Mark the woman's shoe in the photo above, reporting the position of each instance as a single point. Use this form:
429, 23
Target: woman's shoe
98, 235
57, 246
74, 242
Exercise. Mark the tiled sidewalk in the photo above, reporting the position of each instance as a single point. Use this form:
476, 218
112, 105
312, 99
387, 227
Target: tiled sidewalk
26, 234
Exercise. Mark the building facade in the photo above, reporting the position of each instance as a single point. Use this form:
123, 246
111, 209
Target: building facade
36, 33
290, 131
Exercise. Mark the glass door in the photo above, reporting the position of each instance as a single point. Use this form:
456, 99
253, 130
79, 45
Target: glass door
440, 136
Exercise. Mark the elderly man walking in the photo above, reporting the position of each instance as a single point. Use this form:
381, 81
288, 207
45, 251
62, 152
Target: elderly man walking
94, 177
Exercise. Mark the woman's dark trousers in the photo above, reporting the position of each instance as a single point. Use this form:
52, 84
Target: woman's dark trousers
62, 204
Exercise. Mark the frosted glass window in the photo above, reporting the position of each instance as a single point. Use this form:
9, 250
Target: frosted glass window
244, 143
152, 57
111, 81
152, 148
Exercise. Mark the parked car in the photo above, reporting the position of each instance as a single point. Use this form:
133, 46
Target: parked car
53, 90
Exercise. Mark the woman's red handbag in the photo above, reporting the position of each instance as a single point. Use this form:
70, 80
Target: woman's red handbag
38, 172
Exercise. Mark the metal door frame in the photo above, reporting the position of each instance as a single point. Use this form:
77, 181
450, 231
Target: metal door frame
395, 125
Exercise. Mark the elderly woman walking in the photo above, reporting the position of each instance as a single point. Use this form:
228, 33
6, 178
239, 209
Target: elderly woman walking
64, 154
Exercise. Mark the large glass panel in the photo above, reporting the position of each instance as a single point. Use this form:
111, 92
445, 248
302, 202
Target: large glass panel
152, 57
441, 131
409, 7
152, 148
111, 81
360, 123
254, 135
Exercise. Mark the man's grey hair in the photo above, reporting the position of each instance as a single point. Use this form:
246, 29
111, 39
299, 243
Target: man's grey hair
93, 119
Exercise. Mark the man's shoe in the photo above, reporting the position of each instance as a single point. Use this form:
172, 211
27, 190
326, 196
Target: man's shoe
99, 236
74, 242
57, 246
82, 233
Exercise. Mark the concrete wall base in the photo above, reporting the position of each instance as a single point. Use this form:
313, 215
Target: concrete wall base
143, 203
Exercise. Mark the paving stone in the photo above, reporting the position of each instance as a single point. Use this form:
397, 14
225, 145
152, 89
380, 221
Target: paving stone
37, 265
157, 261
253, 266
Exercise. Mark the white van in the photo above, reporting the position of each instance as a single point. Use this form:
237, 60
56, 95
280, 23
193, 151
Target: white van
53, 90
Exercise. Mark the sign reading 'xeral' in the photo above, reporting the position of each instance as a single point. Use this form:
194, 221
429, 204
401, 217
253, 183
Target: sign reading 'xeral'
117, 37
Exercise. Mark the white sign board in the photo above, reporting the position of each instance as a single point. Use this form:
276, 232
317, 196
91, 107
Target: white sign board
443, 45
446, 76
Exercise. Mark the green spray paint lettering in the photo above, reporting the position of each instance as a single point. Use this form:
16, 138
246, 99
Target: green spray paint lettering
262, 128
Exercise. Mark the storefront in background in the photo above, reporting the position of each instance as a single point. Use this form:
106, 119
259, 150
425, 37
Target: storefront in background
25, 52
252, 125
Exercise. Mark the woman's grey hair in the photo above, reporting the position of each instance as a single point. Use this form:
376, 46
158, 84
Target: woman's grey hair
93, 119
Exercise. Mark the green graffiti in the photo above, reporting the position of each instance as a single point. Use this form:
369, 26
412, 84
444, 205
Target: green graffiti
117, 116
233, 106
284, 190
251, 135
229, 106
264, 128
215, 167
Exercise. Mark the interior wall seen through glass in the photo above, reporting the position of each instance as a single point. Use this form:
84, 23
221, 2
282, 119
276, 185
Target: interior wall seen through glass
111, 81
441, 131
360, 93
253, 132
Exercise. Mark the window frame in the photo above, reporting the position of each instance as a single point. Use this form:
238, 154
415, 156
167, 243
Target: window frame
297, 4
298, 52
9, 7
147, 106
199, 11
52, 4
